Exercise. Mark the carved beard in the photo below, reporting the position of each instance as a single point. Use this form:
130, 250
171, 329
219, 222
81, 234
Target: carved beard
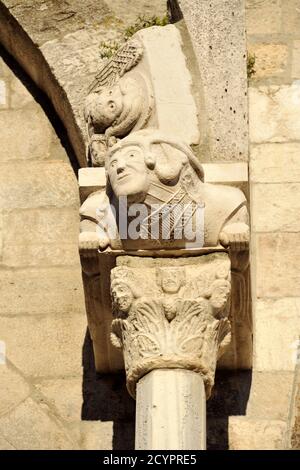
131, 110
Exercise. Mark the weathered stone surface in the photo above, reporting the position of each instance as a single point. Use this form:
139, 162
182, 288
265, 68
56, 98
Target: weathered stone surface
175, 105
41, 226
57, 151
3, 95
277, 331
96, 435
274, 113
1, 235
14, 389
290, 17
41, 255
45, 346
19, 95
5, 71
277, 264
128, 11
16, 127
41, 291
270, 59
37, 185
223, 74
263, 17
5, 445
41, 237
276, 207
65, 395
230, 173
32, 427
275, 163
270, 394
296, 60
49, 20
256, 434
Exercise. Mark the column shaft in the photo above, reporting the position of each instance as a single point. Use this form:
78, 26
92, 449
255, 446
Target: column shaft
171, 411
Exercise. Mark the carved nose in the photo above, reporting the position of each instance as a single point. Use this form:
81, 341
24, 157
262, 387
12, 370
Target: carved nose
120, 169
120, 166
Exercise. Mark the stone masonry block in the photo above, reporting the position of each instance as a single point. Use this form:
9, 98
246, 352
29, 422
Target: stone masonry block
41, 291
275, 163
45, 346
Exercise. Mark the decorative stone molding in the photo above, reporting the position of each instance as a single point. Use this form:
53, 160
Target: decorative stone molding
171, 314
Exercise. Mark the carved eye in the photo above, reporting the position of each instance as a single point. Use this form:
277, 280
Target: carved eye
110, 92
111, 105
113, 163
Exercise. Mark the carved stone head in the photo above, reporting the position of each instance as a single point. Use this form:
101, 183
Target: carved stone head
171, 279
122, 296
114, 110
146, 159
128, 172
123, 290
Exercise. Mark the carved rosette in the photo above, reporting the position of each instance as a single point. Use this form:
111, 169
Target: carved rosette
173, 316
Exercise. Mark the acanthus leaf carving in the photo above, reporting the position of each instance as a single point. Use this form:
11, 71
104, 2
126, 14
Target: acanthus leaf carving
196, 333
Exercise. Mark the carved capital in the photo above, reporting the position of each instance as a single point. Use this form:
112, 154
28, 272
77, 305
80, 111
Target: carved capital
171, 313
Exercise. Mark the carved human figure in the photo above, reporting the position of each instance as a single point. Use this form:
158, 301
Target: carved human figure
220, 291
162, 176
122, 296
170, 280
123, 291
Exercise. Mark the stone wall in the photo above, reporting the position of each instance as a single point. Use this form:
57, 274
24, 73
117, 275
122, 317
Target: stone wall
42, 320
273, 33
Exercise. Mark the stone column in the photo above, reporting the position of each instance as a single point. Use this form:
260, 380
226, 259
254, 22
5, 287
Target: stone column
171, 321
171, 411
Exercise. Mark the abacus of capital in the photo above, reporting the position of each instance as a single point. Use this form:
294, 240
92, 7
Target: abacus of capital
158, 245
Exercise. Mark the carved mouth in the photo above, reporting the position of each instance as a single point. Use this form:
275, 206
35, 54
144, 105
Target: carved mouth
123, 176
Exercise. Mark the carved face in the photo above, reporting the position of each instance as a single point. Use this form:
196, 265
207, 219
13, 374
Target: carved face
220, 293
122, 296
104, 107
171, 280
128, 173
